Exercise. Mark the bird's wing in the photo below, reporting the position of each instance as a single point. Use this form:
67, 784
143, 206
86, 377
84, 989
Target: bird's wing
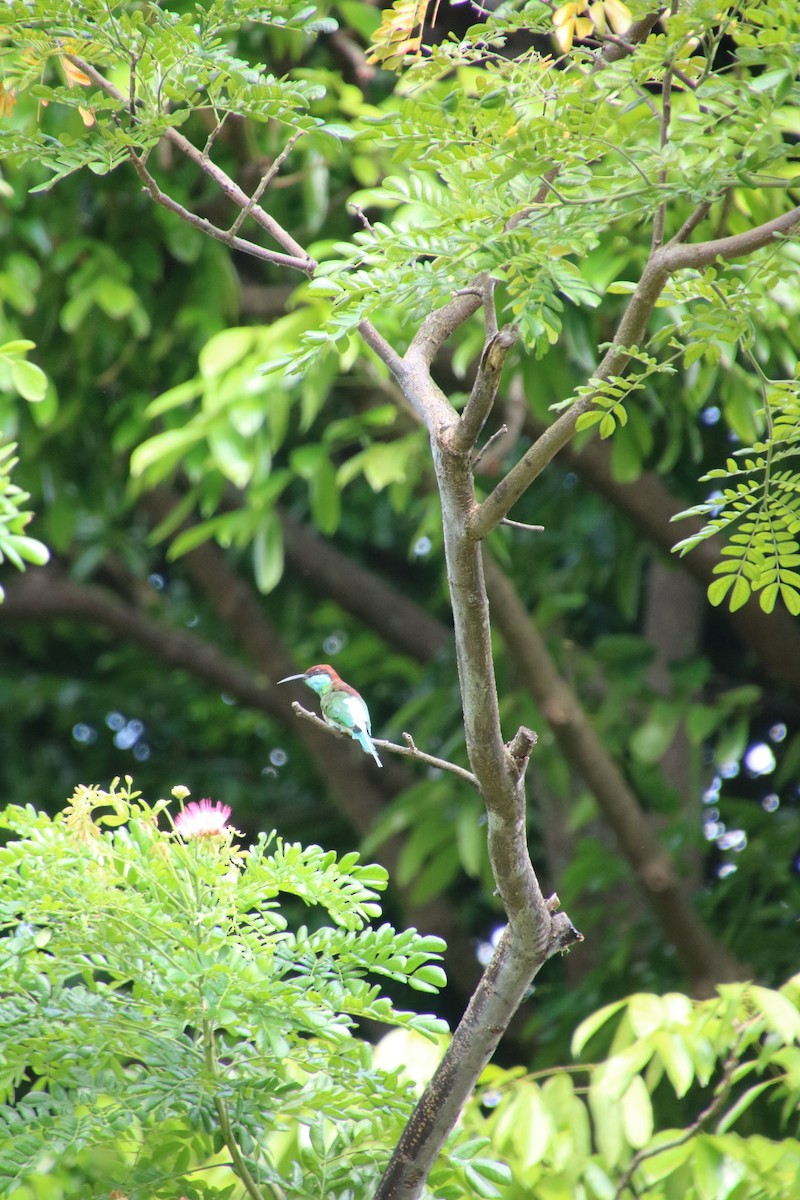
345, 711
358, 714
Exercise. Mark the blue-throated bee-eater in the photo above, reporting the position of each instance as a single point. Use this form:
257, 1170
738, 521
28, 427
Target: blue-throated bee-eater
342, 706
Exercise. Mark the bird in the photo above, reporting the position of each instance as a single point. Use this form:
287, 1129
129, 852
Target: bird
342, 706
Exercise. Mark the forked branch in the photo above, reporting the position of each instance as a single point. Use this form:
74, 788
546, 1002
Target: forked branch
484, 390
663, 263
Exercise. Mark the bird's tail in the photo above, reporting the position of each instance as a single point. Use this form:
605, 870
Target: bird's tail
365, 742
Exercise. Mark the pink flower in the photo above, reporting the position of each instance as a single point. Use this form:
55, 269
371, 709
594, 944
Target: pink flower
202, 820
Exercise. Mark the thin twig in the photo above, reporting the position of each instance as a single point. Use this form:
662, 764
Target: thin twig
413, 751
266, 180
498, 433
522, 525
635, 34
295, 252
440, 324
684, 78
239, 1165
691, 222
663, 263
410, 750
215, 132
659, 221
489, 307
515, 411
205, 226
353, 56
362, 217
386, 353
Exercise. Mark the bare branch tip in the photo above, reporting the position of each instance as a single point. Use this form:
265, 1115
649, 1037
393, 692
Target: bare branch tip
520, 749
362, 217
498, 433
563, 934
522, 525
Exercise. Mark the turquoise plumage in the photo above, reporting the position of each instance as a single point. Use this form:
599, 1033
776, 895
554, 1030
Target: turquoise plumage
342, 707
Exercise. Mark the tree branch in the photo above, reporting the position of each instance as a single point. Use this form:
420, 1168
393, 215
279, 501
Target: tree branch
440, 325
675, 256
616, 48
377, 342
408, 751
620, 808
452, 315
46, 593
630, 332
484, 389
691, 222
266, 180
659, 221
472, 1045
226, 236
717, 1102
532, 934
201, 160
704, 959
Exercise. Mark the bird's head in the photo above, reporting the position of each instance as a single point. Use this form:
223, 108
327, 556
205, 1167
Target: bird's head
319, 678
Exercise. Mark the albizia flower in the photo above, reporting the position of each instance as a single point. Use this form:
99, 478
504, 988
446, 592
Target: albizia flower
202, 819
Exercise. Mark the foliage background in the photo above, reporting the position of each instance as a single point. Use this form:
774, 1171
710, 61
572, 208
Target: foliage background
122, 656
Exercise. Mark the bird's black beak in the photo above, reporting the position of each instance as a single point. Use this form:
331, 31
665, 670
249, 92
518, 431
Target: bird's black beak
289, 678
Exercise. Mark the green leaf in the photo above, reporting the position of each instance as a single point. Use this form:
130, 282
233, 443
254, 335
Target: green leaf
479, 1183
226, 350
718, 590
779, 1013
677, 1061
728, 1119
232, 453
363, 19
651, 741
701, 721
589, 1027
587, 419
268, 553
607, 425
29, 380
428, 979
600, 1184
471, 838
335, 129
533, 1126
740, 594
190, 538
175, 397
791, 598
637, 1114
116, 299
159, 455
28, 548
